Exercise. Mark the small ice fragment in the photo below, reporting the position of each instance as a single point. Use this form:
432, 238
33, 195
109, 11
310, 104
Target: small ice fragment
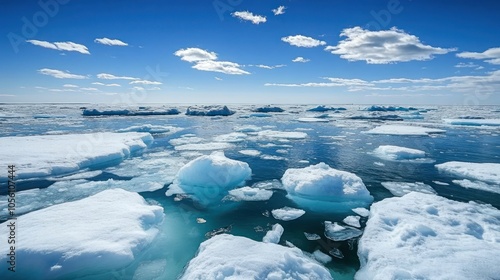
201, 220
336, 253
312, 236
287, 213
336, 232
361, 211
352, 221
321, 257
274, 235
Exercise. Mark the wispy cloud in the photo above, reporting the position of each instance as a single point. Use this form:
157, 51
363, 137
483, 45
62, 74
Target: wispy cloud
106, 85
61, 46
206, 61
268, 66
248, 16
279, 11
105, 76
110, 42
384, 46
491, 55
466, 65
218, 79
144, 82
301, 59
70, 86
302, 41
60, 74
195, 54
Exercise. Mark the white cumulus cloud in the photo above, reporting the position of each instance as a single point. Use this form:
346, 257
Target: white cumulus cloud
106, 85
248, 16
225, 67
491, 55
195, 54
383, 46
279, 11
61, 46
110, 42
60, 74
301, 59
302, 41
105, 76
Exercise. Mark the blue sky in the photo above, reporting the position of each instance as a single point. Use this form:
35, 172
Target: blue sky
242, 51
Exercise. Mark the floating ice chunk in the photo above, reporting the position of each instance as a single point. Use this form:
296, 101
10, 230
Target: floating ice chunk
250, 194
48, 116
271, 157
201, 220
62, 154
336, 232
321, 257
252, 153
209, 178
407, 236
282, 134
103, 232
233, 137
274, 235
151, 129
402, 188
269, 185
478, 185
473, 122
209, 111
352, 221
336, 253
376, 108
82, 175
322, 188
312, 236
486, 172
287, 213
440, 183
183, 140
268, 109
233, 257
204, 146
304, 161
362, 212
404, 130
307, 119
321, 108
129, 112
396, 153
150, 270
377, 163
247, 128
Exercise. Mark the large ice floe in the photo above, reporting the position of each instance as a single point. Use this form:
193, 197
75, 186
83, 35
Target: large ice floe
232, 257
322, 188
481, 176
49, 155
100, 233
404, 130
208, 178
422, 236
396, 153
473, 122
209, 111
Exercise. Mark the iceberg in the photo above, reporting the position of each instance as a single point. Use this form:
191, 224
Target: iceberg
233, 257
268, 109
407, 236
376, 108
287, 213
126, 112
336, 232
473, 122
100, 233
250, 194
485, 172
404, 130
396, 153
69, 153
208, 178
322, 188
377, 117
402, 188
321, 108
274, 235
208, 111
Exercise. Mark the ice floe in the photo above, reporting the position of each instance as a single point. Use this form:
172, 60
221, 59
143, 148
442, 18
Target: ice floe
336, 232
103, 232
232, 257
287, 213
312, 236
312, 119
404, 130
486, 172
322, 188
252, 153
352, 221
247, 128
376, 108
363, 212
478, 185
209, 111
321, 257
151, 129
422, 236
274, 235
268, 109
204, 146
473, 122
282, 134
396, 153
402, 188
232, 137
130, 112
62, 154
250, 194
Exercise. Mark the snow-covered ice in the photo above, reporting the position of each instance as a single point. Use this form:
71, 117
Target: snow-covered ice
62, 154
422, 236
336, 232
402, 188
273, 235
209, 111
232, 137
232, 257
473, 122
486, 172
363, 212
252, 153
397, 153
312, 119
250, 194
322, 188
352, 221
282, 134
312, 236
151, 129
204, 146
321, 257
287, 213
478, 185
100, 233
247, 128
404, 130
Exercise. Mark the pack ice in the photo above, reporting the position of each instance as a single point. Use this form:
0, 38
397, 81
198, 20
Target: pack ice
322, 188
481, 176
404, 130
424, 236
46, 155
99, 233
233, 257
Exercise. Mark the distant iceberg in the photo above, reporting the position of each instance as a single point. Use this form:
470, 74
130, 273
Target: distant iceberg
208, 111
103, 232
473, 122
268, 109
375, 108
322, 188
232, 257
142, 111
422, 236
323, 108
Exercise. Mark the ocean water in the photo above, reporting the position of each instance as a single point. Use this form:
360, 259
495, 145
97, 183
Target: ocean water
342, 143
